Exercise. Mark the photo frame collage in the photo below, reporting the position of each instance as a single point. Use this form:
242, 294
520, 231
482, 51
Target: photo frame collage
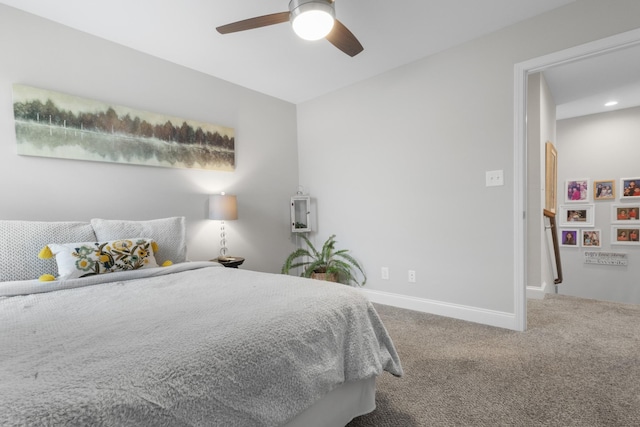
577, 215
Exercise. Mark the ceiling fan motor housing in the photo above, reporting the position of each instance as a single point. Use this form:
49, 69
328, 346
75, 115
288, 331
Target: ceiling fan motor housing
296, 7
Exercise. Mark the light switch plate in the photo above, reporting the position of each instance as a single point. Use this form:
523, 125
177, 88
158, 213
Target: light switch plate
495, 178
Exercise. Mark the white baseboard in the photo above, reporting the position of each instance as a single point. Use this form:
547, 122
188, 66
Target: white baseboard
472, 314
538, 292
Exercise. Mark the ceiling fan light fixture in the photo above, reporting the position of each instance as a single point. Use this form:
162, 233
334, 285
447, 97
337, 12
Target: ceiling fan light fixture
312, 19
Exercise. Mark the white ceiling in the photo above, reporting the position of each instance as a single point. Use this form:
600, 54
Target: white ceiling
583, 87
274, 61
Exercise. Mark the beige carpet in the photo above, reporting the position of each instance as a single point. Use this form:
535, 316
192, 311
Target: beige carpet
578, 364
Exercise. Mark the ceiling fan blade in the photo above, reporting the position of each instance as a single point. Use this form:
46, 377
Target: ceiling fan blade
257, 22
343, 39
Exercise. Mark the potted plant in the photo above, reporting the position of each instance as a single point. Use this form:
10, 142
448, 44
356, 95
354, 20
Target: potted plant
326, 264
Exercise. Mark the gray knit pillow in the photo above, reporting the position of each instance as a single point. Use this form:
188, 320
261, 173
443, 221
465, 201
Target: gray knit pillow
169, 233
21, 241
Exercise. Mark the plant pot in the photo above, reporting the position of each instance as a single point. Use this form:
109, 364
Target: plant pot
332, 277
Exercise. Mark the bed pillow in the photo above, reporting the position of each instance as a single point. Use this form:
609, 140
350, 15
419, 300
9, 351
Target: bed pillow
169, 233
84, 259
20, 242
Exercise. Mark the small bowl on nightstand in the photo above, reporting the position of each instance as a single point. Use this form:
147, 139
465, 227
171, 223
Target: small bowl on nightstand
229, 261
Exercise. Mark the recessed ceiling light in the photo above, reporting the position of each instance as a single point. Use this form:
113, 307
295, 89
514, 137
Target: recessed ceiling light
611, 103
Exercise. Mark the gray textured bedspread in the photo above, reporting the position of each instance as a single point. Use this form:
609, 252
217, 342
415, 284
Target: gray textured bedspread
206, 347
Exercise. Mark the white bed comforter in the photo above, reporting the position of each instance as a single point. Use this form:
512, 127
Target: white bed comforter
186, 346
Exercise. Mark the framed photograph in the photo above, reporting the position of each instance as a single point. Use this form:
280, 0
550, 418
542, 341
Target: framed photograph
625, 213
569, 238
551, 178
590, 238
577, 216
577, 191
625, 235
629, 188
604, 190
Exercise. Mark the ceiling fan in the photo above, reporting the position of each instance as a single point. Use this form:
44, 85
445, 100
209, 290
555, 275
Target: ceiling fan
311, 20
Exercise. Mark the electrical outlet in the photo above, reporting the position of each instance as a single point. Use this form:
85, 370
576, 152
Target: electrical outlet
384, 272
412, 276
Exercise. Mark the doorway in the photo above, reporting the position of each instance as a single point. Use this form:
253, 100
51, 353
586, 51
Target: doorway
521, 72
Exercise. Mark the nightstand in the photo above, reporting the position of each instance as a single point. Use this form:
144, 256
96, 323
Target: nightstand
229, 261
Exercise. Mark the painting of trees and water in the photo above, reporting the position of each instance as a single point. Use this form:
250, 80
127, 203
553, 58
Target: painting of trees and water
52, 124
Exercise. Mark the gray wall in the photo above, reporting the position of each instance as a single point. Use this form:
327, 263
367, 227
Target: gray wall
44, 54
397, 163
600, 147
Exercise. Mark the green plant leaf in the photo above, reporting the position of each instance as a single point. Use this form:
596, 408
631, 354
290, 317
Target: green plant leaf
327, 260
289, 262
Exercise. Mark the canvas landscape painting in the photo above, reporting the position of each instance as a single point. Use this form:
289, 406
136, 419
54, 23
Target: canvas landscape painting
53, 124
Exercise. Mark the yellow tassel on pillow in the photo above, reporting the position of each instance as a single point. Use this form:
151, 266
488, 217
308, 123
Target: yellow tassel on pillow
154, 246
167, 263
47, 278
45, 253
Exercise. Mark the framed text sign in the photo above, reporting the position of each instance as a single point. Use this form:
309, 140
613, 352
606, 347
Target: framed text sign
606, 258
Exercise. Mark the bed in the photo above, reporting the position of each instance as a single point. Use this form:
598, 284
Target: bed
187, 343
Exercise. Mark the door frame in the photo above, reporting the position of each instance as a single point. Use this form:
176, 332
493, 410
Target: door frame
521, 71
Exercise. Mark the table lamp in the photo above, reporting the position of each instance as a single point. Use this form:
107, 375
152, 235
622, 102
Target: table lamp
223, 207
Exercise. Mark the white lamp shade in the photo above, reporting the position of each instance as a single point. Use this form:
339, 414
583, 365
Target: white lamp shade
223, 207
312, 20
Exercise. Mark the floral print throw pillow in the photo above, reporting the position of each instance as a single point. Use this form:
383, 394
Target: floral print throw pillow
77, 260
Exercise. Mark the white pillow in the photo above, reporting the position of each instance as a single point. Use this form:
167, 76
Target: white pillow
77, 260
168, 233
21, 241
